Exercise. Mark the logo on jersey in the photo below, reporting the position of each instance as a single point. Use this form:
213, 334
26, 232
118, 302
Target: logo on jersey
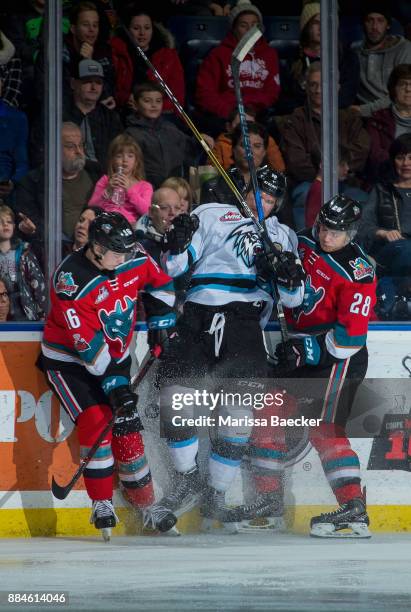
80, 344
117, 323
231, 216
102, 295
246, 243
65, 284
361, 268
312, 297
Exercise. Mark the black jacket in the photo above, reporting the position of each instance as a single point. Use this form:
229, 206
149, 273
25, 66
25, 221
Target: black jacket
105, 124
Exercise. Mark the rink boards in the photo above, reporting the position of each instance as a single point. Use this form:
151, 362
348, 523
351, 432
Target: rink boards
37, 441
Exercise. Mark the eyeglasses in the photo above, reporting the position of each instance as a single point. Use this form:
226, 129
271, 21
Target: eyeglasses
404, 85
4, 294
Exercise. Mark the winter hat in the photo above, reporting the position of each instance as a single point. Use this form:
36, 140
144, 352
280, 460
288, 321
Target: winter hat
244, 6
377, 6
309, 11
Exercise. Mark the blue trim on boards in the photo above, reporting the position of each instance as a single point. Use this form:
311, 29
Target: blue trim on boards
29, 326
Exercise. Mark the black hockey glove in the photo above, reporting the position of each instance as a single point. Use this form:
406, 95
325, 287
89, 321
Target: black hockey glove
124, 400
285, 268
289, 270
298, 352
177, 238
165, 338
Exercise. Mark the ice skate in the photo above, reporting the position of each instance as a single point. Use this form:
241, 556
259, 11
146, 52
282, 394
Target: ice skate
212, 509
104, 517
265, 513
350, 520
158, 518
185, 494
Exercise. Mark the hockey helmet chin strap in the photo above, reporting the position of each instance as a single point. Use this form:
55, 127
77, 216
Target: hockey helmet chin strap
98, 257
217, 329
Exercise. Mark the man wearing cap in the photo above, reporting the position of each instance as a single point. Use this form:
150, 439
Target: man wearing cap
378, 55
98, 124
259, 71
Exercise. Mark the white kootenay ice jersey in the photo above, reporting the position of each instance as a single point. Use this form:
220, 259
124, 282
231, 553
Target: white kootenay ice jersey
222, 254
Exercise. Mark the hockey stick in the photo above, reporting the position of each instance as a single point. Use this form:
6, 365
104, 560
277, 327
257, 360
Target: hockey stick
246, 210
243, 47
61, 492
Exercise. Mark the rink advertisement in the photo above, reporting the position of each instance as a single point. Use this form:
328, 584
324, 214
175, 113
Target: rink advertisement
37, 442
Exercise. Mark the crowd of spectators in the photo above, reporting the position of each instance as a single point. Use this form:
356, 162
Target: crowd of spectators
124, 147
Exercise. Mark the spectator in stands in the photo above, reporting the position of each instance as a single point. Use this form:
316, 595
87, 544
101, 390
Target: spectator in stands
23, 28
166, 149
223, 148
77, 187
259, 72
21, 269
314, 200
378, 55
125, 177
99, 124
301, 133
183, 189
158, 44
294, 76
216, 189
386, 232
79, 237
10, 72
13, 145
77, 183
386, 219
165, 205
4, 301
85, 42
388, 123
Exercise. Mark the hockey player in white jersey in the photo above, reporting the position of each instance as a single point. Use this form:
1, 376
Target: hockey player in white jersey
220, 332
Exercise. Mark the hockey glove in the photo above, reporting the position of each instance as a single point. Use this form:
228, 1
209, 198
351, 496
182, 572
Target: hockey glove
177, 238
165, 338
289, 270
298, 352
284, 267
124, 400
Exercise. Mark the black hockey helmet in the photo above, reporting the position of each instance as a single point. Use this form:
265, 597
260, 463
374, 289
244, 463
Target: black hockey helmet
112, 231
340, 213
272, 182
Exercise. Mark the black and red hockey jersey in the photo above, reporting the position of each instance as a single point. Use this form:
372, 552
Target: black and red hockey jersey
92, 316
338, 298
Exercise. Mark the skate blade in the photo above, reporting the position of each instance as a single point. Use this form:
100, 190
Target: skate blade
173, 532
106, 533
188, 504
213, 526
353, 530
275, 524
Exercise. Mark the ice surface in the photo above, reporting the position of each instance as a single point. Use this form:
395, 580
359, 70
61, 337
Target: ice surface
214, 572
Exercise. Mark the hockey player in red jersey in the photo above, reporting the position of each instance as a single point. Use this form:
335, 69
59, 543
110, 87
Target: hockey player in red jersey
85, 354
330, 354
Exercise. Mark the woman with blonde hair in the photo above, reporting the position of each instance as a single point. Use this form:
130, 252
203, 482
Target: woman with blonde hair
124, 189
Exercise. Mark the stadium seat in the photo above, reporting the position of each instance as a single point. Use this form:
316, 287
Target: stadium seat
282, 28
282, 34
186, 28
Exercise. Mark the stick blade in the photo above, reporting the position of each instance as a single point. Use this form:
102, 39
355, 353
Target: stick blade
246, 44
58, 491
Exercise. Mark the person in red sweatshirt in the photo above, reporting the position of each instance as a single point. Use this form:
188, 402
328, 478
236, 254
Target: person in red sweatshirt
259, 71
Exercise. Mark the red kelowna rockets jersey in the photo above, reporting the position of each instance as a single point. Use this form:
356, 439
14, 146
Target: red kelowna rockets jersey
92, 317
338, 298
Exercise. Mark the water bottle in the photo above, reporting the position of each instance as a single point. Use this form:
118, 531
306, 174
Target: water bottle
119, 193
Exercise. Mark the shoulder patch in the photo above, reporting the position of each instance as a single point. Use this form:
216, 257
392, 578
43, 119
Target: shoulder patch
361, 268
65, 283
